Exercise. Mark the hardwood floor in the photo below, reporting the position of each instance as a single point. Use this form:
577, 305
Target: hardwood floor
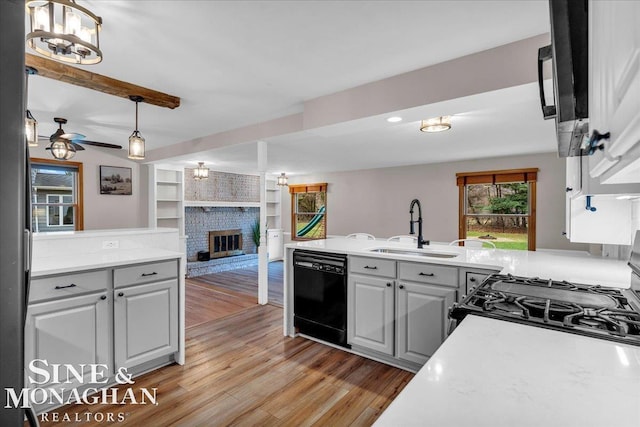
246, 280
242, 371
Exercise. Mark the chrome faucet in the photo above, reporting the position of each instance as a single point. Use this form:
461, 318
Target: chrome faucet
419, 221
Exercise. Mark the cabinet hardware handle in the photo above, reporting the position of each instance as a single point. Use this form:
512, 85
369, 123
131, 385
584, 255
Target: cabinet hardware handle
426, 274
388, 285
68, 286
401, 286
120, 294
371, 268
103, 297
472, 280
568, 189
148, 274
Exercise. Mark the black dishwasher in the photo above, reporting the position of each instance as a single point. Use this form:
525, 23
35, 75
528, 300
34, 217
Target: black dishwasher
320, 295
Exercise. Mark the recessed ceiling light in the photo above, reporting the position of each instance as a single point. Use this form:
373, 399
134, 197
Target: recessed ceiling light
394, 119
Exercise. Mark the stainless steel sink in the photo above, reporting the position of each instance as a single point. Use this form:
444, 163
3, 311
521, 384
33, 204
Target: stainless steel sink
414, 253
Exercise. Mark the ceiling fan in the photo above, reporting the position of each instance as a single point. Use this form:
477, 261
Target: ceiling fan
75, 139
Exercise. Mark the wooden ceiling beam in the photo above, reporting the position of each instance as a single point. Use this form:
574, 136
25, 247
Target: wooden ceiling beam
76, 76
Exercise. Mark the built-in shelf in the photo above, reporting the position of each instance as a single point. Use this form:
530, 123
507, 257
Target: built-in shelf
165, 198
212, 204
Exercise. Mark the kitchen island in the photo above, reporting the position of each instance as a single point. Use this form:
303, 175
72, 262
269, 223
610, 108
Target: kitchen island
491, 372
558, 265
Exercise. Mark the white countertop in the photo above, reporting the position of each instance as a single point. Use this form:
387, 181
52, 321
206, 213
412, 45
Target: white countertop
59, 235
498, 373
44, 266
557, 265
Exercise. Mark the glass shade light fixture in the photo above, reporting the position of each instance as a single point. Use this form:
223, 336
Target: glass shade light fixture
31, 130
30, 123
282, 180
65, 31
136, 141
201, 172
437, 124
62, 149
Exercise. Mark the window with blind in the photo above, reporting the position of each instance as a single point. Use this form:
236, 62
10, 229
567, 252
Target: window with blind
308, 211
56, 195
499, 206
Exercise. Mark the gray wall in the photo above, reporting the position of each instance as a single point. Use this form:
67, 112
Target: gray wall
13, 206
377, 201
104, 211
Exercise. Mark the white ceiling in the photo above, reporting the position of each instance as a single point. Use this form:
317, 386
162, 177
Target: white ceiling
236, 63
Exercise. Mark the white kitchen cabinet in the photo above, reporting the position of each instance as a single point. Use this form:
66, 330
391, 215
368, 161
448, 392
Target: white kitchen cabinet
371, 313
69, 330
145, 322
421, 319
614, 88
611, 221
399, 309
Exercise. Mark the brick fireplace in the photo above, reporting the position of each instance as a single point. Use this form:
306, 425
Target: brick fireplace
226, 233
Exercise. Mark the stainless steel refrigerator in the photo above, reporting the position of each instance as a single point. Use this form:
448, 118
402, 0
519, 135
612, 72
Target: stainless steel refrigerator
14, 210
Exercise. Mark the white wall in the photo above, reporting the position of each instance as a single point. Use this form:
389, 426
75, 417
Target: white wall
377, 201
103, 211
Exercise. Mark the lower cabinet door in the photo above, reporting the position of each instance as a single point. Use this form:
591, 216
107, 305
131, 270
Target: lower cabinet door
145, 322
370, 313
421, 319
69, 331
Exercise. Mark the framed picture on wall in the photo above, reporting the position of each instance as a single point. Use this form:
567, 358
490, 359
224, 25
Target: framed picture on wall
115, 180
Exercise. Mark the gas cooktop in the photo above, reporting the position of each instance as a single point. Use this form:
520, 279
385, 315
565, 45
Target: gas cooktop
591, 310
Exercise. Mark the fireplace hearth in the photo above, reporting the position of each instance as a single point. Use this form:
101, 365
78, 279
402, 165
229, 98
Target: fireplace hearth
224, 243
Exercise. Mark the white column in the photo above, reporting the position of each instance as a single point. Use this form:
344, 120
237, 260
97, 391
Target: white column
263, 261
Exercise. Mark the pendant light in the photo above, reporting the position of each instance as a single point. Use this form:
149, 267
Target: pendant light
437, 124
65, 31
201, 172
30, 123
136, 141
282, 180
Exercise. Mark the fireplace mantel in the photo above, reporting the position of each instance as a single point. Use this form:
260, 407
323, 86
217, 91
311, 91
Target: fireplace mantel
212, 204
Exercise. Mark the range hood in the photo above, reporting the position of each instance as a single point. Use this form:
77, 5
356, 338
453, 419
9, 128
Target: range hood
568, 52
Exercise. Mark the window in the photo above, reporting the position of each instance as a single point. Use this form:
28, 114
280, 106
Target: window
499, 206
308, 211
59, 210
56, 195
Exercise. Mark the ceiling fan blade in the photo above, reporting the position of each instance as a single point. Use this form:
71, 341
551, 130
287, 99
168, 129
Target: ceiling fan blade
100, 144
73, 136
78, 147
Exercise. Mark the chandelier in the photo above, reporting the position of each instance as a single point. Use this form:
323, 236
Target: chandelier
438, 124
201, 172
64, 30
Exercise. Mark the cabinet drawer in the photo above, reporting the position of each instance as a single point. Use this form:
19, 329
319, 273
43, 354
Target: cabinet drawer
428, 273
372, 266
67, 285
144, 273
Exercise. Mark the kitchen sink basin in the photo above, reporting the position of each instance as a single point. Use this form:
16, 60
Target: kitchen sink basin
428, 254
